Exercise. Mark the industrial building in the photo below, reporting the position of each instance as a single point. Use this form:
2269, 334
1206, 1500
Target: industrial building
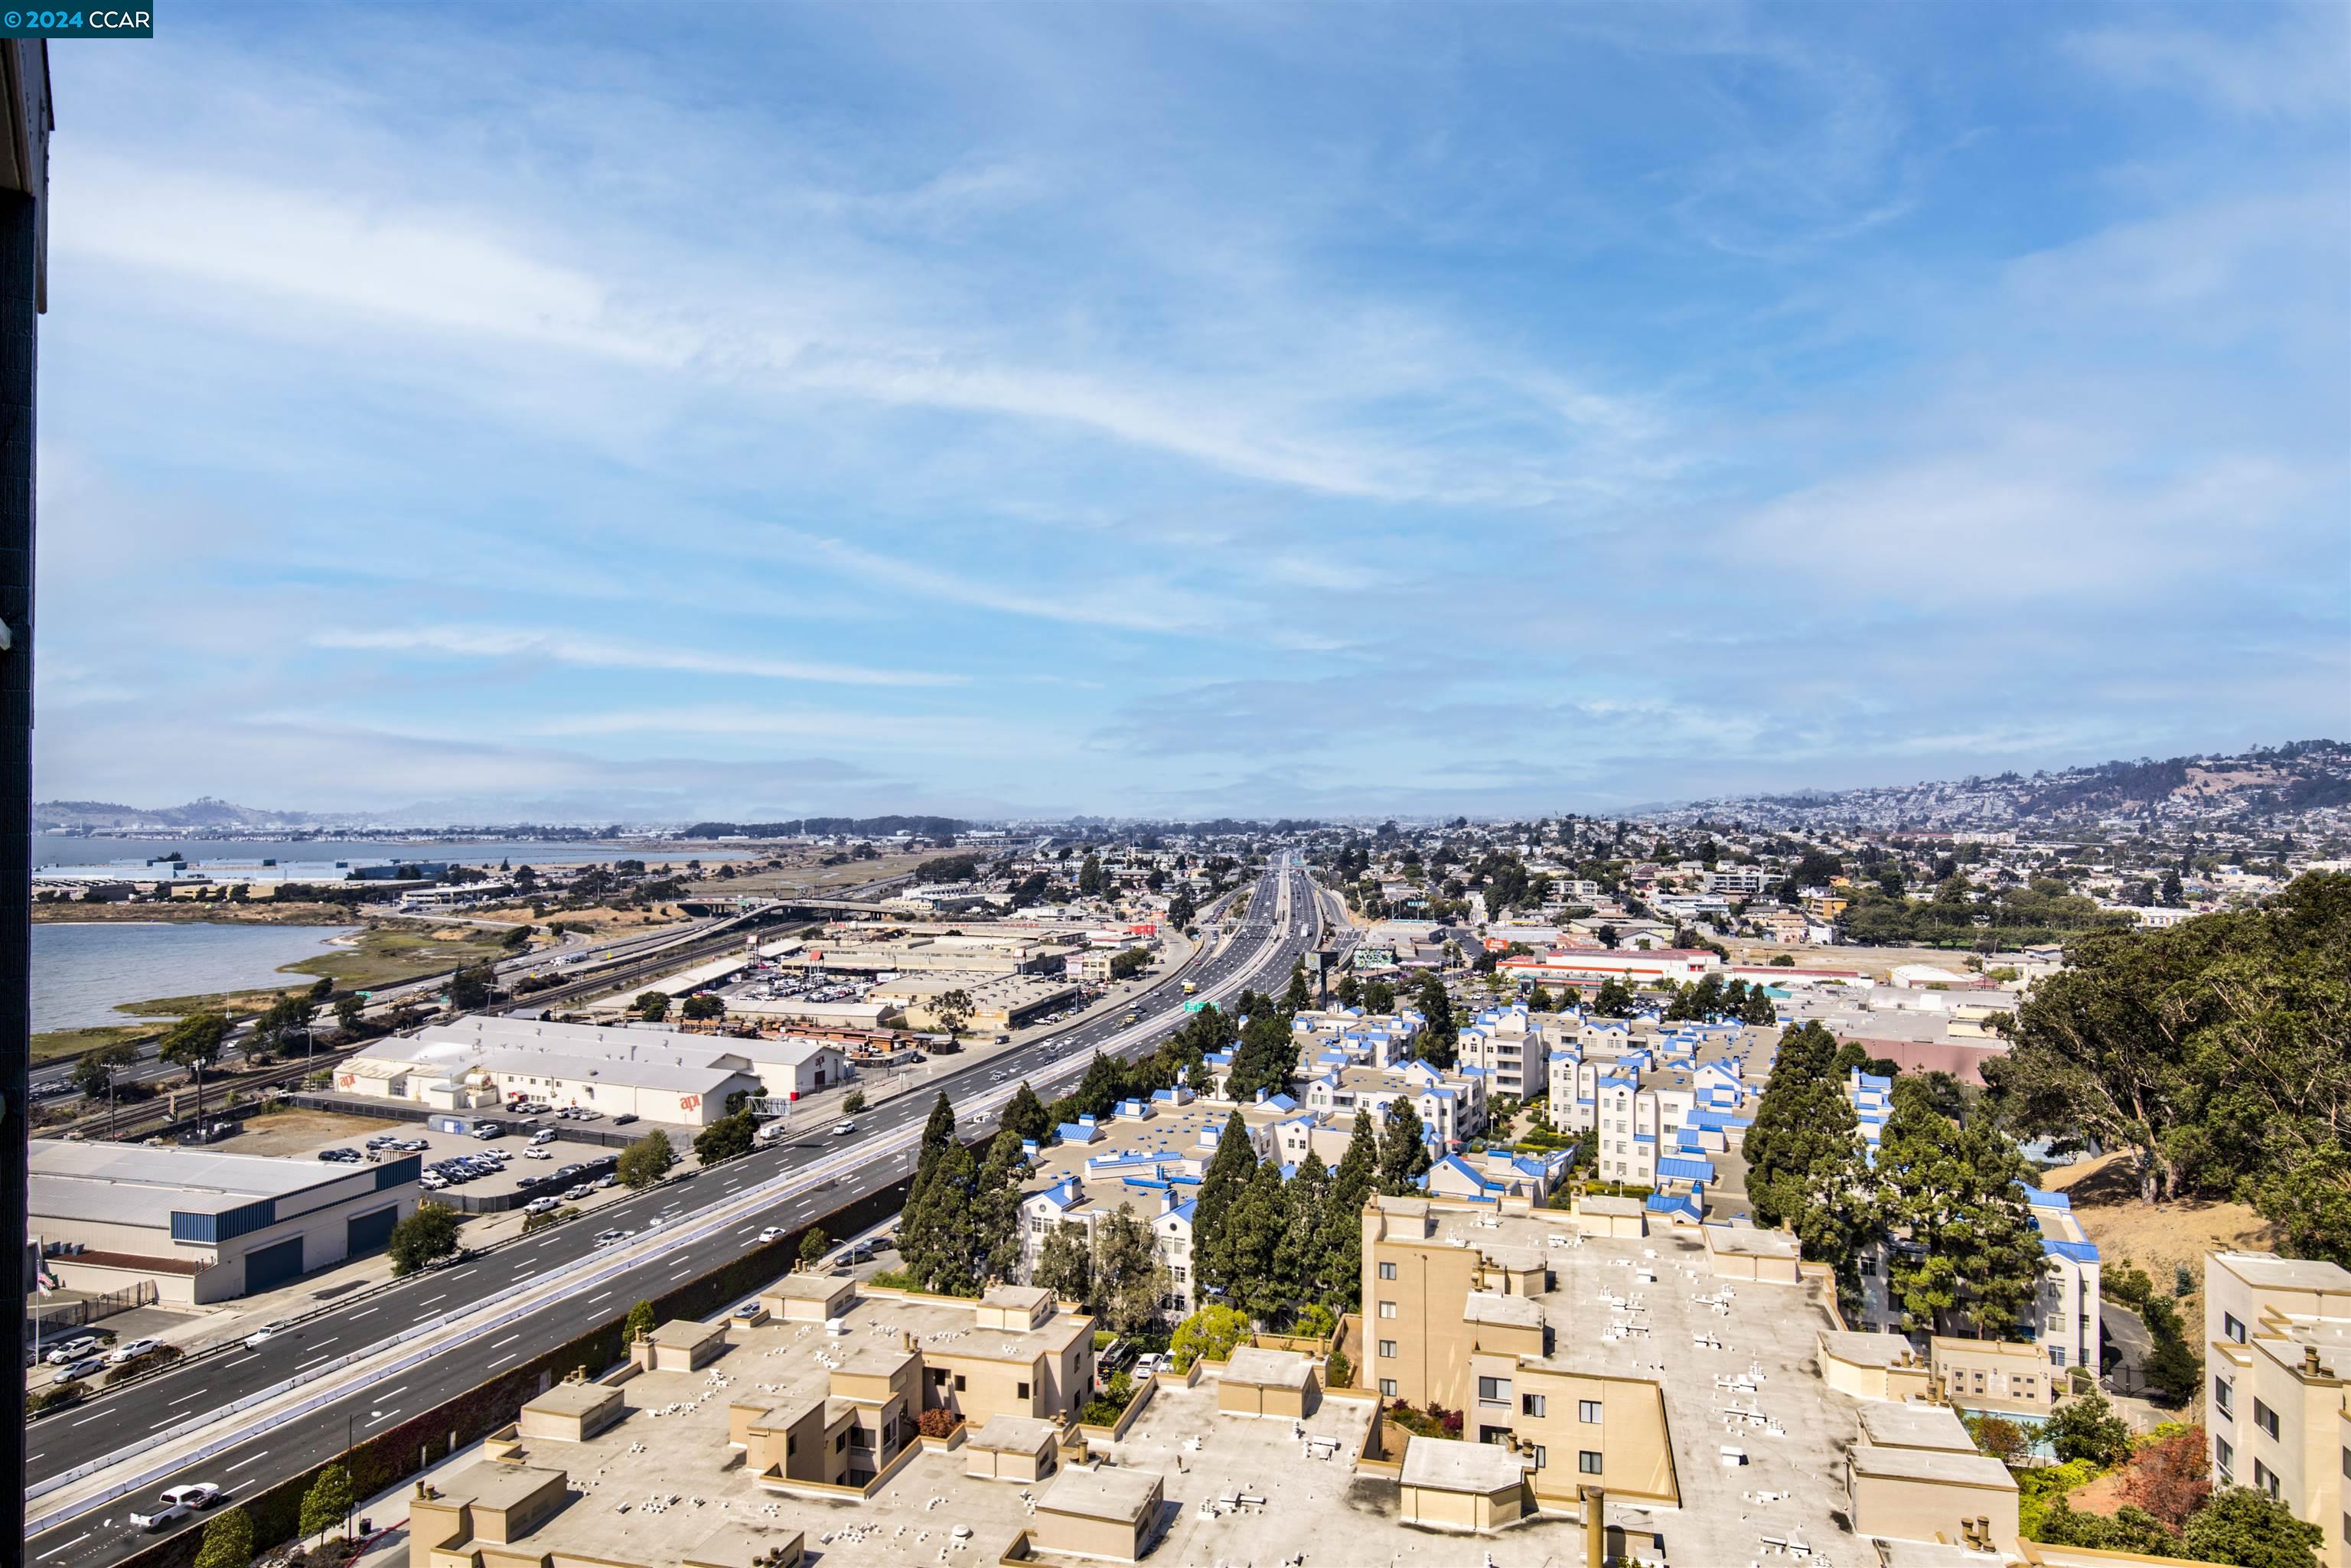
203, 1226
482, 1064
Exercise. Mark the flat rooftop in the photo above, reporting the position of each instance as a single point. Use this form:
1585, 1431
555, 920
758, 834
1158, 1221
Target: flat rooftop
1453, 1466
668, 1457
131, 1184
1737, 1362
1896, 1426
2285, 1273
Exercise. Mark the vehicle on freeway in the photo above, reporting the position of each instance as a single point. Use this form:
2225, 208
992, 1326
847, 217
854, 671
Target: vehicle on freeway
131, 1351
773, 1233
198, 1495
843, 1129
263, 1335
80, 1369
73, 1350
160, 1516
611, 1238
542, 1206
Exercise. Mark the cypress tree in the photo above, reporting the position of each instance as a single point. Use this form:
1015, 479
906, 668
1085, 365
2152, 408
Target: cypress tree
1025, 1113
1352, 1186
1300, 1262
1404, 1149
1228, 1173
1251, 1243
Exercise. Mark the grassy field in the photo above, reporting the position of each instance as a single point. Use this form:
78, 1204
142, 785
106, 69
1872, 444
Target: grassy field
2157, 1237
74, 1041
816, 880
262, 912
382, 955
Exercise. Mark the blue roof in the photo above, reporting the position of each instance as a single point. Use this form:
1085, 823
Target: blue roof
2036, 1199
1680, 1169
1181, 1211
1282, 1103
2079, 1251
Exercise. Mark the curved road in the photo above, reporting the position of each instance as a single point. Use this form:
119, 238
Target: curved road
1256, 952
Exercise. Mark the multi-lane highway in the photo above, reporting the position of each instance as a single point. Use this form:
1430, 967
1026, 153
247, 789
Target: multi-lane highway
1284, 920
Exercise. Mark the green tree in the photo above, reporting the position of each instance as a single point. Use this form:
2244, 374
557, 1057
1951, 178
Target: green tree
1025, 1114
1221, 1184
1404, 1148
350, 1013
1130, 1281
195, 1043
639, 1322
953, 1010
645, 1162
1613, 1000
995, 1216
652, 1005
328, 1502
473, 987
704, 1008
1440, 1037
1211, 1334
814, 1245
726, 1138
1803, 1153
228, 1541
95, 1073
1301, 1255
1065, 1266
1538, 1000
1379, 997
2250, 1529
429, 1234
1352, 1182
1953, 1189
1300, 996
1090, 875
2086, 1427
1249, 1245
1180, 910
1349, 990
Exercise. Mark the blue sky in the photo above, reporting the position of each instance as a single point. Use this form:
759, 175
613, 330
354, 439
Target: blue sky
1187, 411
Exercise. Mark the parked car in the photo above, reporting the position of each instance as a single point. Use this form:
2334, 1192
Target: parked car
132, 1349
198, 1495
73, 1350
573, 1194
537, 1154
544, 1135
608, 1179
76, 1370
624, 1118
340, 1156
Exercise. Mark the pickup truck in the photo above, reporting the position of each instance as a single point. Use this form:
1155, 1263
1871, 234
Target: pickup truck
160, 1515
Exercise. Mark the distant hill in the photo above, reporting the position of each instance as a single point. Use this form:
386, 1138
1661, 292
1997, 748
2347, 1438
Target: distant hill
205, 812
2307, 782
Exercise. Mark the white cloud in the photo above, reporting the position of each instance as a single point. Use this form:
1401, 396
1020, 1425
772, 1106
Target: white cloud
2274, 62
564, 648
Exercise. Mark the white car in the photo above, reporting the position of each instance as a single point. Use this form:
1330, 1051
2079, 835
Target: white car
773, 1233
262, 1336
72, 1349
541, 1205
87, 1367
537, 1154
612, 1237
132, 1349
198, 1495
843, 1129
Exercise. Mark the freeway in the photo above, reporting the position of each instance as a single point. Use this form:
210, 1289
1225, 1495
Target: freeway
1258, 953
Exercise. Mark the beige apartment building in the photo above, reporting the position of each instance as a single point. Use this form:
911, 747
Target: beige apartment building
1459, 1304
2277, 1338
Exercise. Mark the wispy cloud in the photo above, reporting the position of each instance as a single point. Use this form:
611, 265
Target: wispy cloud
564, 648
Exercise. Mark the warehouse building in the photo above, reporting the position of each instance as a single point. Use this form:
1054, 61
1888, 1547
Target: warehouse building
484, 1063
205, 1226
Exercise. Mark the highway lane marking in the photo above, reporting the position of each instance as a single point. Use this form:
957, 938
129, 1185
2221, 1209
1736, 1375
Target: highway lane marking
381, 1415
94, 1415
508, 1339
600, 1296
183, 1398
355, 1316
429, 1300
249, 1458
496, 1364
241, 1360
61, 1551
306, 1365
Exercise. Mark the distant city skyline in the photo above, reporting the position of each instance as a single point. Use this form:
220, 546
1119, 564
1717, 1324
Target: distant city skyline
1177, 412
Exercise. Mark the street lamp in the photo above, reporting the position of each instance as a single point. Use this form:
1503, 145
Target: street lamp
350, 1491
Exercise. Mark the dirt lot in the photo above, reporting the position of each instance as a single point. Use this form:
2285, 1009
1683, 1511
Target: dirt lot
302, 1133
1877, 963
2155, 1236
